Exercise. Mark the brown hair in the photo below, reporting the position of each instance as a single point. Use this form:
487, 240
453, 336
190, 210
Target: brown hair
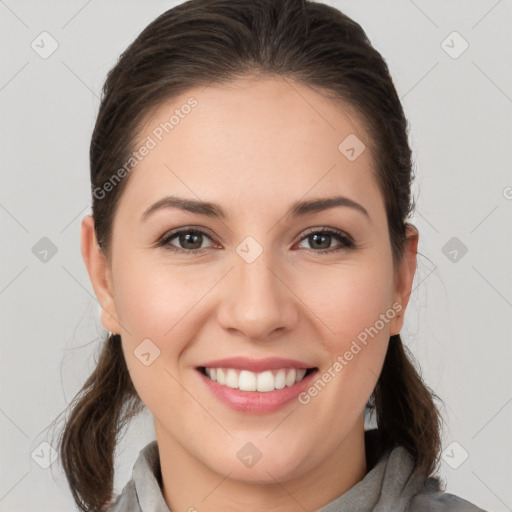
214, 41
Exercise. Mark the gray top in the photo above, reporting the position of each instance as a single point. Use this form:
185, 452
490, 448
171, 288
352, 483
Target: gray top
387, 486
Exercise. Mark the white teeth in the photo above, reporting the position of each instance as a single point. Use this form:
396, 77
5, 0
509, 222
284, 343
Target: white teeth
231, 378
264, 381
245, 380
280, 379
290, 377
221, 377
300, 374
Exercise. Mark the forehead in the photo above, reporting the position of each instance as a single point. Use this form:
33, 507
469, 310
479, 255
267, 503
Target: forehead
250, 142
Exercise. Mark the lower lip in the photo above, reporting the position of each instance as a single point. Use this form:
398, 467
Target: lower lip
256, 402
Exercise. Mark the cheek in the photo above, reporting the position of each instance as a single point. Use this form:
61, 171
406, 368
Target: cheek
160, 303
352, 299
154, 300
356, 313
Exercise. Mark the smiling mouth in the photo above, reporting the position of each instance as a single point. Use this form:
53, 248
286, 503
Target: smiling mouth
268, 380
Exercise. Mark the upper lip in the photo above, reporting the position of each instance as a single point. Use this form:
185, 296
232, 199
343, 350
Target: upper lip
256, 365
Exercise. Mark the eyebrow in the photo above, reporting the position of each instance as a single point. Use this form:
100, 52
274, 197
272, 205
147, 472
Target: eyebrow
299, 208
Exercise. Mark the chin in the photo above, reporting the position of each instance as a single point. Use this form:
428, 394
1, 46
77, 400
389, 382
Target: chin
248, 468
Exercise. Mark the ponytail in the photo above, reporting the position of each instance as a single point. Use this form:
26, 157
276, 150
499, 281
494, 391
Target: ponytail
405, 408
99, 411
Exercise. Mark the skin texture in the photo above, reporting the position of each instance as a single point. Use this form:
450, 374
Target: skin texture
254, 146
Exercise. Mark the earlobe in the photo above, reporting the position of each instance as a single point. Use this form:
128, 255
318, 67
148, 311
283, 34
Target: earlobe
99, 274
405, 277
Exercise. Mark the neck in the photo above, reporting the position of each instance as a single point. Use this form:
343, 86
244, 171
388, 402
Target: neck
190, 485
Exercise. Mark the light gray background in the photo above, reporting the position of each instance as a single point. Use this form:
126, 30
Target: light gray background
458, 321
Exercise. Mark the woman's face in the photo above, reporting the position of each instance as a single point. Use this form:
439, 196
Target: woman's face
255, 283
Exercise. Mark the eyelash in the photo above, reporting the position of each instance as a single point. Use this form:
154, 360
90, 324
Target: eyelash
347, 242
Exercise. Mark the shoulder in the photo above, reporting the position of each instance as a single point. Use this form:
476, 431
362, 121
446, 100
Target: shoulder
126, 501
440, 501
431, 497
143, 491
422, 494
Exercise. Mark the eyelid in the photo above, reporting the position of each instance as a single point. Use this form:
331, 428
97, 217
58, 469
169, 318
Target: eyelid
198, 229
328, 230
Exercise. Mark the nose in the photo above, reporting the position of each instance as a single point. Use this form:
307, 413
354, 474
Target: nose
258, 303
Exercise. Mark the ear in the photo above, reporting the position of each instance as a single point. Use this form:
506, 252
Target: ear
404, 278
99, 274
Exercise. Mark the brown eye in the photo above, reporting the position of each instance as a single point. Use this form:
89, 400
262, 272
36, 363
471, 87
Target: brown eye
322, 239
188, 240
